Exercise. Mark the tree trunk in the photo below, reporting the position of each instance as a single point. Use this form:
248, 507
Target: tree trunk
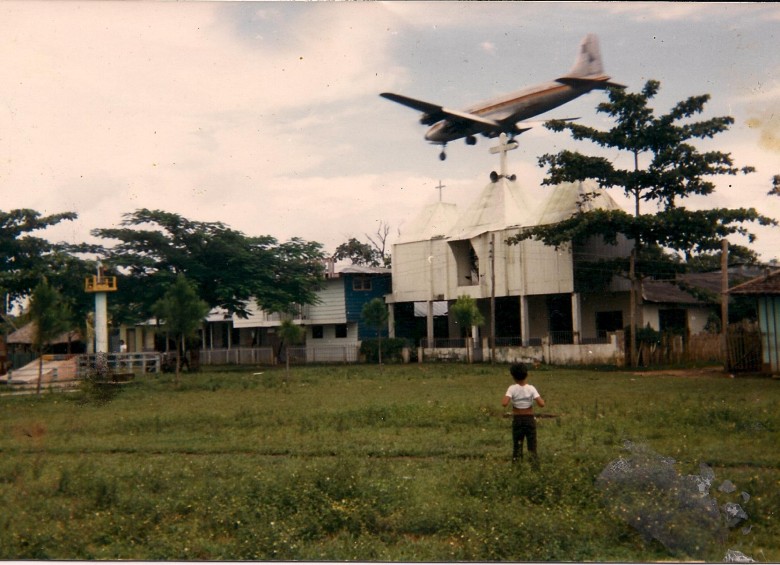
40, 371
179, 345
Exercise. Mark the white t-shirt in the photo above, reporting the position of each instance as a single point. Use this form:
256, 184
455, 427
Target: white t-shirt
522, 396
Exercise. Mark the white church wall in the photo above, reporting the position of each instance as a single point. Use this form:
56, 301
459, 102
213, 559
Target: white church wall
549, 270
420, 271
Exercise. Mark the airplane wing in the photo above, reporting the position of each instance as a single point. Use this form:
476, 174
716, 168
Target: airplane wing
434, 113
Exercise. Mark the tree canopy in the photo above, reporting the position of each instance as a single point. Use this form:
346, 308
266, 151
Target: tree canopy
228, 268
372, 254
673, 171
25, 258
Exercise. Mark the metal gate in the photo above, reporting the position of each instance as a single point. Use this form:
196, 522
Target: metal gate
744, 349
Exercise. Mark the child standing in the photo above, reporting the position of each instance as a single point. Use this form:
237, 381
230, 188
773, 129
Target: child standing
522, 396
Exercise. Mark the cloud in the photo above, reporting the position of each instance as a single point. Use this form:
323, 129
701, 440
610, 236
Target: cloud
488, 47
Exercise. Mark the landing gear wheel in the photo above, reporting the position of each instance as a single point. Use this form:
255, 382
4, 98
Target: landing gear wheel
442, 156
471, 140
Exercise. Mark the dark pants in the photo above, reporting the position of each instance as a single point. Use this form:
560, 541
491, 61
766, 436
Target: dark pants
523, 428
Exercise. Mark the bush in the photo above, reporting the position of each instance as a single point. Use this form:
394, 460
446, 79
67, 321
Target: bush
391, 349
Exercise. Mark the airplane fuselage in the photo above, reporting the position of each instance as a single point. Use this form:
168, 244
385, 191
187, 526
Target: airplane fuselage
506, 114
518, 106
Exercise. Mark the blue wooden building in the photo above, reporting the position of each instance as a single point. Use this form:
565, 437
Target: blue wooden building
766, 290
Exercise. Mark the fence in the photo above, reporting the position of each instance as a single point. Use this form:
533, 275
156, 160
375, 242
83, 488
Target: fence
141, 362
238, 356
267, 355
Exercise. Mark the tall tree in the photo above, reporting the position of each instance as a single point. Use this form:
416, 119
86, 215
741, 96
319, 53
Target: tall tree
375, 315
23, 256
181, 311
228, 268
50, 317
664, 168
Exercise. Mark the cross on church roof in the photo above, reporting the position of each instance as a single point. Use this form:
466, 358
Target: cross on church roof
439, 187
503, 147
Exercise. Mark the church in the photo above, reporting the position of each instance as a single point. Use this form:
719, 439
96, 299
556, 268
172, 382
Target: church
531, 293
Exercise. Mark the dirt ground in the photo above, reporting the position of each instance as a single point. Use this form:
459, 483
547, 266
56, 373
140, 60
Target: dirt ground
708, 372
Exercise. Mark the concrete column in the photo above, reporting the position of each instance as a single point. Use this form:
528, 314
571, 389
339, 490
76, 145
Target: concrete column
430, 323
576, 316
391, 320
524, 327
101, 322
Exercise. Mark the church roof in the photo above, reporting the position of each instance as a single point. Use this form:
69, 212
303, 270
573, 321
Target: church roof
502, 204
569, 198
433, 221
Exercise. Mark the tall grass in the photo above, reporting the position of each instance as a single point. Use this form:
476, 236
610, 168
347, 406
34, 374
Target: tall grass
347, 463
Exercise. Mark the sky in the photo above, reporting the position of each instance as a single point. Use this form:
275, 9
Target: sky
267, 116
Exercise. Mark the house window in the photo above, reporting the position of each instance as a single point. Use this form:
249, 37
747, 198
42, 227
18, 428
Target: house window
608, 322
361, 283
317, 332
341, 330
673, 321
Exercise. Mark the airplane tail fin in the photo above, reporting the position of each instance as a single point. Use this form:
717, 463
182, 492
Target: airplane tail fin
588, 70
588, 61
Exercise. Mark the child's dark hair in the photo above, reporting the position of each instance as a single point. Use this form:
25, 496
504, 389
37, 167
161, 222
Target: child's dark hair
518, 371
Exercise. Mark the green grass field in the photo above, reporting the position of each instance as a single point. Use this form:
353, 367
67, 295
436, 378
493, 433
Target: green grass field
349, 463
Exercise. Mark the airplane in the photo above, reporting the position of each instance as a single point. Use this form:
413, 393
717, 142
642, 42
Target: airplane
506, 113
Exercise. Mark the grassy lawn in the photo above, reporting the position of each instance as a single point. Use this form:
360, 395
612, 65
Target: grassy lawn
350, 463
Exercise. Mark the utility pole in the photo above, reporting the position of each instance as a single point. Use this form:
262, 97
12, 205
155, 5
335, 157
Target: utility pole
632, 308
724, 299
492, 298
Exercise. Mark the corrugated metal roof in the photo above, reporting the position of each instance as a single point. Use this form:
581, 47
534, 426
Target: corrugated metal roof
569, 198
25, 335
666, 292
362, 270
768, 284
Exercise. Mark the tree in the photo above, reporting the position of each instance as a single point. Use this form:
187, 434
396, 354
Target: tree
673, 170
24, 257
291, 334
379, 242
51, 317
228, 268
375, 314
357, 252
181, 311
372, 254
775, 191
467, 314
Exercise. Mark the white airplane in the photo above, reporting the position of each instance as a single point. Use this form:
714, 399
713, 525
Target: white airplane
505, 114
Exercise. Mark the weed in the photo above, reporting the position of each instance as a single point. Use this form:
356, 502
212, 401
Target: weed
343, 463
